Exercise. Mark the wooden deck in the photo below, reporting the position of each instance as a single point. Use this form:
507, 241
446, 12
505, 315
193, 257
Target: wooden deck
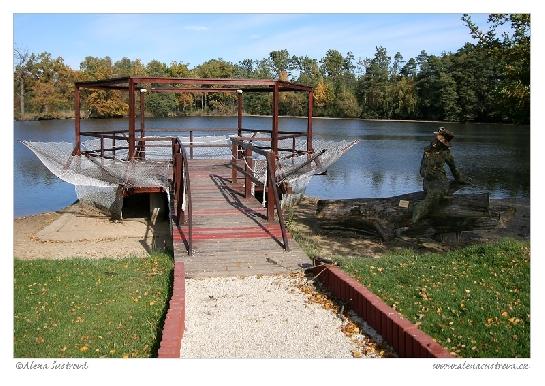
231, 234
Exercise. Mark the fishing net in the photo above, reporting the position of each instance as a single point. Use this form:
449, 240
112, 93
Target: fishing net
102, 181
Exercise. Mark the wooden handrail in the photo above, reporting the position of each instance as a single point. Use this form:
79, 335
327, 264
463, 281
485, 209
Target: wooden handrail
181, 176
273, 198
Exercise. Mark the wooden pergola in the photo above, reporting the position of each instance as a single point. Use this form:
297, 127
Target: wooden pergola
141, 85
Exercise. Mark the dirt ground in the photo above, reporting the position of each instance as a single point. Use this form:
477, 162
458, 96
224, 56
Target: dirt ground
83, 231
514, 222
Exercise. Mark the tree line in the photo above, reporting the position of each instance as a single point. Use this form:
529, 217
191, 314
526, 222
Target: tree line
485, 81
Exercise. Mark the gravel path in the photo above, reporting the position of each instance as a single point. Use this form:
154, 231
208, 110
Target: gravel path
262, 317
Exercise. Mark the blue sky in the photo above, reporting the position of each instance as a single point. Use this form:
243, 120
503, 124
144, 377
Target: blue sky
194, 38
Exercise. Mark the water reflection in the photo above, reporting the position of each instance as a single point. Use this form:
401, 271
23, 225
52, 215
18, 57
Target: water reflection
384, 163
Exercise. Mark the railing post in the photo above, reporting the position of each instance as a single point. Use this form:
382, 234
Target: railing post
271, 167
113, 145
190, 144
234, 150
102, 145
181, 213
248, 168
178, 181
273, 196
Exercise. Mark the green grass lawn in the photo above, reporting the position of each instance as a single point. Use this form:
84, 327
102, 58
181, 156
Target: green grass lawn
475, 301
90, 308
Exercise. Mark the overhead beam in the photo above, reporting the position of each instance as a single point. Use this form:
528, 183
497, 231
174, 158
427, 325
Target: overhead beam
111, 81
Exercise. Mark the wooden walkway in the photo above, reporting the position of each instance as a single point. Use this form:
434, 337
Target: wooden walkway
231, 234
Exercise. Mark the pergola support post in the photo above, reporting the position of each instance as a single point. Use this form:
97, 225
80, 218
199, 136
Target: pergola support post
142, 125
310, 149
274, 134
132, 120
239, 115
77, 121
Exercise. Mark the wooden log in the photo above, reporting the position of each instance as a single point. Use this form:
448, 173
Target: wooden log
391, 217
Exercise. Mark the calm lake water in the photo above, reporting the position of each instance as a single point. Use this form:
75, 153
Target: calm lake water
384, 163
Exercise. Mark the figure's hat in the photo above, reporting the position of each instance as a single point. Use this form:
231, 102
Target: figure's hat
444, 136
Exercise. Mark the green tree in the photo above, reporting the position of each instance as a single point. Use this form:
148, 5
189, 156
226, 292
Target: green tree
216, 102
21, 76
409, 69
161, 105
346, 105
128, 67
510, 50
280, 63
373, 87
308, 70
101, 103
51, 84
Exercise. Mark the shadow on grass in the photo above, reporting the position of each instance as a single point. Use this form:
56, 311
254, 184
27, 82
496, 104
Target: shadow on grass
161, 322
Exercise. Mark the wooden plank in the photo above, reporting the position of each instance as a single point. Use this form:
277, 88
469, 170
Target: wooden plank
231, 234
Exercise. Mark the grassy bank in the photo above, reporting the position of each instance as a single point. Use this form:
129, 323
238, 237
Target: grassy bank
90, 308
475, 301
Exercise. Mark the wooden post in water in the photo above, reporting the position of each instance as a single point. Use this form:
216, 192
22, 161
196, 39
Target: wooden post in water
77, 122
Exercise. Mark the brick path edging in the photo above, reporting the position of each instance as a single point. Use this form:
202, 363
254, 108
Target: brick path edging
173, 328
405, 337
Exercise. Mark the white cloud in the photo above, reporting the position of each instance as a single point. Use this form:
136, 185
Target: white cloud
196, 28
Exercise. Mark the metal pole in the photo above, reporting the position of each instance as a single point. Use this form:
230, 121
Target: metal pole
190, 144
77, 122
239, 110
132, 119
274, 134
248, 168
270, 191
310, 149
142, 125
234, 149
239, 113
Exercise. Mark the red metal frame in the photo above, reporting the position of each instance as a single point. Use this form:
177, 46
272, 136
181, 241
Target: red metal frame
132, 84
179, 156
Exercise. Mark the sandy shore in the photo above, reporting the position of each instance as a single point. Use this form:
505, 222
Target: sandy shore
85, 232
